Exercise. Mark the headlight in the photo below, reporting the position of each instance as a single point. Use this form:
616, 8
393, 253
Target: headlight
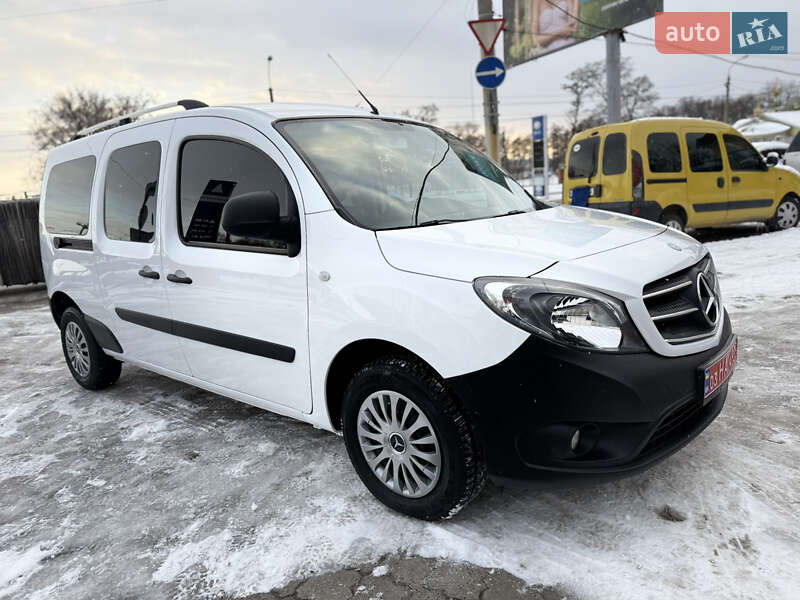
562, 312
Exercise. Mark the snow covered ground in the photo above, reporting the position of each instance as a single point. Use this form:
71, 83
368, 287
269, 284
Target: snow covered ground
156, 489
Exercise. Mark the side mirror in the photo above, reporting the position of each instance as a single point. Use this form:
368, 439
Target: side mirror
773, 158
254, 215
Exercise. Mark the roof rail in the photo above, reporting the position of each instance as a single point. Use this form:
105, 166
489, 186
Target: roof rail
128, 118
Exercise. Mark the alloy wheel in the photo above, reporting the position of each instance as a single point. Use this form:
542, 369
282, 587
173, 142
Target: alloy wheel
77, 349
399, 443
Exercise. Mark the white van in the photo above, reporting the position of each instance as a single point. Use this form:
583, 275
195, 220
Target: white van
380, 278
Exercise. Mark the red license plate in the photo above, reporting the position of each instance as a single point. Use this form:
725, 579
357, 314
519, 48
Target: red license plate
718, 372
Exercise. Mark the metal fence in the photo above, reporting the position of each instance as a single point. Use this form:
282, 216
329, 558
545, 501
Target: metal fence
20, 260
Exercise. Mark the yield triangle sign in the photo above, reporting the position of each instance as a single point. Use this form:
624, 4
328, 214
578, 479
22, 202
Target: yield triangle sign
487, 32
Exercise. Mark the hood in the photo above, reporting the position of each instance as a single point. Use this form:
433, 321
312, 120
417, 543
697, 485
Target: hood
515, 245
788, 168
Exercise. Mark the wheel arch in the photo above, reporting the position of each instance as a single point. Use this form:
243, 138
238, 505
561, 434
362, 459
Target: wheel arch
347, 361
59, 302
791, 195
677, 208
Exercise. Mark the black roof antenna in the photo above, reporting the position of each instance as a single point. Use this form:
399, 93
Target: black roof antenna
374, 110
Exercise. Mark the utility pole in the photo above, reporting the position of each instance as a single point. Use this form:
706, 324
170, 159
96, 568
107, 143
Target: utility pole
269, 77
728, 89
490, 111
613, 75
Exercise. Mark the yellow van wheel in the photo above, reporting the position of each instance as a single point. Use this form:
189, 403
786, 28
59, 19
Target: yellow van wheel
673, 219
787, 214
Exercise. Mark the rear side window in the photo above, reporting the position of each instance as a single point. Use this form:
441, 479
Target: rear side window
68, 196
704, 153
212, 172
615, 154
583, 158
130, 194
663, 153
741, 155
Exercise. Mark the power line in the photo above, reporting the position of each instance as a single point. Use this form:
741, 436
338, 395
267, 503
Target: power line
674, 45
77, 9
714, 56
411, 41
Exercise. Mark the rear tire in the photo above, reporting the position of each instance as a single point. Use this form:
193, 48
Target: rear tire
673, 219
90, 366
787, 214
427, 466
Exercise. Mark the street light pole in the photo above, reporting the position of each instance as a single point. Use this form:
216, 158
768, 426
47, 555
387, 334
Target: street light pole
728, 88
269, 77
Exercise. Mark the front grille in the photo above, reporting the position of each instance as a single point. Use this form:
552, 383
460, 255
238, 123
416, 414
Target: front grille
673, 422
675, 304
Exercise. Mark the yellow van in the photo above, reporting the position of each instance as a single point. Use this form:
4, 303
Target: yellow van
681, 172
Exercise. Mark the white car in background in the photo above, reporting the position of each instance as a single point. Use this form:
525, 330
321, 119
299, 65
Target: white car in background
767, 148
791, 157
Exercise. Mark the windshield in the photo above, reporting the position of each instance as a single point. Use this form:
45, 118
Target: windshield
391, 174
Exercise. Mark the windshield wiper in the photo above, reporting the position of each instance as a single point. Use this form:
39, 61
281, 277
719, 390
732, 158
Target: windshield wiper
440, 222
518, 211
422, 187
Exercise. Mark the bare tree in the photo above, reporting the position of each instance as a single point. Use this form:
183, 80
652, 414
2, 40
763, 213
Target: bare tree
589, 102
67, 113
580, 82
780, 94
470, 133
587, 85
428, 113
638, 96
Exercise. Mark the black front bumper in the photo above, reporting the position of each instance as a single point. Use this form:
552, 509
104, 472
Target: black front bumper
632, 410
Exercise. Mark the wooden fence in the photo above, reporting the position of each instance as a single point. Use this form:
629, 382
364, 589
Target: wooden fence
20, 260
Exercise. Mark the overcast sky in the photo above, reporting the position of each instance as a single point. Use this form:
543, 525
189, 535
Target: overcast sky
216, 51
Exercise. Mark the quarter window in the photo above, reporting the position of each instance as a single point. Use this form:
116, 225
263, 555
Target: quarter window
704, 152
664, 153
583, 158
214, 171
741, 155
130, 194
614, 154
68, 196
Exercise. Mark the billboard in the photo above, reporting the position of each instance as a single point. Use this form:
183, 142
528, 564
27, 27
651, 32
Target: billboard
539, 27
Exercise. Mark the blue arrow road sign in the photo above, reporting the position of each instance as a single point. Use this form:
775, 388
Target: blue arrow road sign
490, 72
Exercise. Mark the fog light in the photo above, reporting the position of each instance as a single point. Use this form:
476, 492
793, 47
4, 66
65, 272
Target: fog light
576, 439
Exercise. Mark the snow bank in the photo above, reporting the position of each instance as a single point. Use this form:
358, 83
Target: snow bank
758, 268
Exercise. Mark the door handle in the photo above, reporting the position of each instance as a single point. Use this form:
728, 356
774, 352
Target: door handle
720, 182
149, 273
735, 179
179, 277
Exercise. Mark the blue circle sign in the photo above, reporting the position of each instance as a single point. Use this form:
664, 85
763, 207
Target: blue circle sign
490, 72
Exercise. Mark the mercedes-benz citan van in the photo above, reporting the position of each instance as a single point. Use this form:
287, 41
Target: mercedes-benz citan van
679, 172
380, 278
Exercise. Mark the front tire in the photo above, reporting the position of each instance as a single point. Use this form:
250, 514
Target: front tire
410, 441
90, 366
786, 215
